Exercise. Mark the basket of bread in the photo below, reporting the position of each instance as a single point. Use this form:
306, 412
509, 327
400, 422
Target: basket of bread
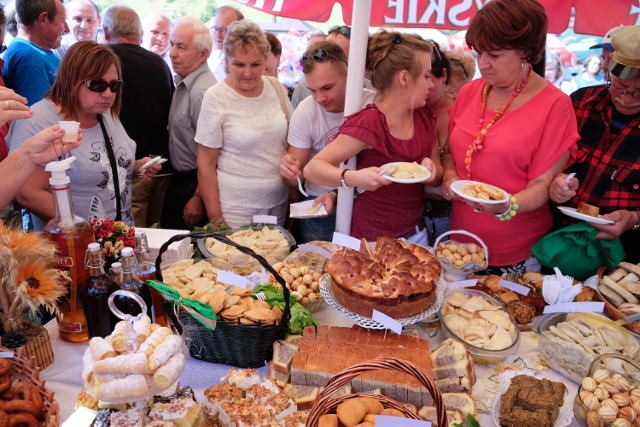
459, 260
269, 241
224, 323
24, 399
619, 289
355, 409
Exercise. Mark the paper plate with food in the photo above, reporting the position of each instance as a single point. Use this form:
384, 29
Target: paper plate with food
479, 192
585, 212
405, 172
307, 210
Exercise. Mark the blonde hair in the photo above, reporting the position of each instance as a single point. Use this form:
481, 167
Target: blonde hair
245, 34
389, 52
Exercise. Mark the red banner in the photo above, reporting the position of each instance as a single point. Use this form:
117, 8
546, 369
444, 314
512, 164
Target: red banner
591, 16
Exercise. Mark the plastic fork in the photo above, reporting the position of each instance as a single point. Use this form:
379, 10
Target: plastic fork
261, 296
300, 187
568, 178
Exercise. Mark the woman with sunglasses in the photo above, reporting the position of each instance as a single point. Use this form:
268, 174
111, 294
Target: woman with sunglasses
511, 129
241, 134
395, 129
88, 89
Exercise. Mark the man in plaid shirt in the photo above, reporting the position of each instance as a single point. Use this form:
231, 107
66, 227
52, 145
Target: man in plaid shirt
608, 162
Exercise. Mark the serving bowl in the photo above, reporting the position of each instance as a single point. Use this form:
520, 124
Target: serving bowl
460, 260
451, 305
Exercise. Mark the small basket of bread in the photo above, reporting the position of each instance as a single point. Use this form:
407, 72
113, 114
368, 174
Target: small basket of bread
358, 408
459, 260
619, 289
245, 326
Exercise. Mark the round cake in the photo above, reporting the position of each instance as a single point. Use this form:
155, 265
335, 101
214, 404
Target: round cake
398, 279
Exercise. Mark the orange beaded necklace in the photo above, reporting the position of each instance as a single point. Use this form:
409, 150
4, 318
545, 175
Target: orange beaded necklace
478, 139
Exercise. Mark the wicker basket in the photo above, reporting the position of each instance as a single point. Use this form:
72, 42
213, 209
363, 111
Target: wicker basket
24, 368
611, 310
231, 343
326, 404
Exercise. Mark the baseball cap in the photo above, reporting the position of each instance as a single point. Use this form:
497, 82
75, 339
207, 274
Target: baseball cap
606, 40
625, 61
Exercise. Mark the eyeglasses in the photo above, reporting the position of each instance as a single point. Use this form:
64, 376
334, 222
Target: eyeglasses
623, 92
99, 85
342, 29
221, 30
319, 56
458, 63
436, 50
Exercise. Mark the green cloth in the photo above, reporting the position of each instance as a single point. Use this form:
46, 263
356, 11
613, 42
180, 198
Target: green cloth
576, 251
200, 311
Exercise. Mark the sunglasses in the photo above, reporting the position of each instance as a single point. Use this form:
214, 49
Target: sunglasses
342, 29
99, 85
319, 56
458, 63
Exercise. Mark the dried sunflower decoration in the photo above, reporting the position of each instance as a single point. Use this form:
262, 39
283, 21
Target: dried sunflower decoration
27, 280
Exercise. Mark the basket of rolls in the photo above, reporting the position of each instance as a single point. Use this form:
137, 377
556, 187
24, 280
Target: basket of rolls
25, 400
224, 324
355, 409
619, 289
459, 260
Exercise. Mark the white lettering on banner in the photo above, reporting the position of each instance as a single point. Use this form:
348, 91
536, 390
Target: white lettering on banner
399, 13
438, 8
435, 13
457, 10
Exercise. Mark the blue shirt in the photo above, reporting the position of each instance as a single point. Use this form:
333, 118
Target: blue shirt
29, 70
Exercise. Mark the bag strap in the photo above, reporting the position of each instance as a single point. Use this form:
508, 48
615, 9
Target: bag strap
114, 167
281, 95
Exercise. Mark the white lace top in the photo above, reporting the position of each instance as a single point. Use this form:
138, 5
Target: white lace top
250, 133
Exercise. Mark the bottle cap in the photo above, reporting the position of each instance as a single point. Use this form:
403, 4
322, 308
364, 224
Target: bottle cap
139, 233
126, 252
93, 247
59, 171
116, 266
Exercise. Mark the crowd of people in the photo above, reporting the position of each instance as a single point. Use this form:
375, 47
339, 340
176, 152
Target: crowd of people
240, 143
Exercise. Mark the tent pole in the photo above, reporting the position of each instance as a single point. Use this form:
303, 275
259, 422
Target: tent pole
353, 99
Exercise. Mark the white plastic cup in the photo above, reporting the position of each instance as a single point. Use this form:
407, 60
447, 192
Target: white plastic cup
70, 130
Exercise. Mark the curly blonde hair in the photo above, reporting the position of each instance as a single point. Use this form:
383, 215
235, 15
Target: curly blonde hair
245, 34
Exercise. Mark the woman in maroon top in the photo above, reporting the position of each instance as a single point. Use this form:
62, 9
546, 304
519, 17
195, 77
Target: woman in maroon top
399, 127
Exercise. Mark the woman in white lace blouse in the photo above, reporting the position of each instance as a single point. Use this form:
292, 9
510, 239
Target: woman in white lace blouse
241, 134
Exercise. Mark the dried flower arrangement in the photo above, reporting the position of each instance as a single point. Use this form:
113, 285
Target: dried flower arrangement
27, 282
113, 236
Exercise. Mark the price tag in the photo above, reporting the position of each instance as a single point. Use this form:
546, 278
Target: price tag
306, 248
575, 307
463, 284
265, 219
519, 289
389, 421
231, 279
388, 322
346, 241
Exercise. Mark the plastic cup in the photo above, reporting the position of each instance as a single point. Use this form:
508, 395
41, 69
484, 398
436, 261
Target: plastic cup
70, 130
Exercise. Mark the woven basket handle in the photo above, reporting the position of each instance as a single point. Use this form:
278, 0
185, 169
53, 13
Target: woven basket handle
219, 237
344, 377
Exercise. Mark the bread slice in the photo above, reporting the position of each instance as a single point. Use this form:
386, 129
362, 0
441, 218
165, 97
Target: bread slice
429, 413
283, 353
450, 351
457, 369
454, 385
587, 209
303, 396
462, 402
294, 339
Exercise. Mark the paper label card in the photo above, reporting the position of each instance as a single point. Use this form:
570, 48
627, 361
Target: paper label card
346, 241
265, 219
518, 289
388, 322
389, 421
305, 248
231, 279
575, 307
463, 284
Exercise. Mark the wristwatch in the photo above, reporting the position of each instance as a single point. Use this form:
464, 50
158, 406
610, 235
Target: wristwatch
637, 226
342, 181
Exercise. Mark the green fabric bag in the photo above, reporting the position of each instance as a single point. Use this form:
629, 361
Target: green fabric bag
576, 251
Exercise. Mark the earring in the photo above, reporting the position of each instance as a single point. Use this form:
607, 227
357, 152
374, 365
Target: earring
524, 65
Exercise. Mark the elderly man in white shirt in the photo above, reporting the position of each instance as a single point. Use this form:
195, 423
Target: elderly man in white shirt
191, 45
225, 15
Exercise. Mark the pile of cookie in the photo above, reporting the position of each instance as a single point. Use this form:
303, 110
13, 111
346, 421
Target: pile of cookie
21, 403
461, 254
359, 411
482, 191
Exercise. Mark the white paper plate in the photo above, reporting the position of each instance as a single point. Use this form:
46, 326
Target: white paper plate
299, 210
573, 213
457, 187
406, 180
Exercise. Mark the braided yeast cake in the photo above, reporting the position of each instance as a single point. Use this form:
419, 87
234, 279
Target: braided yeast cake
400, 280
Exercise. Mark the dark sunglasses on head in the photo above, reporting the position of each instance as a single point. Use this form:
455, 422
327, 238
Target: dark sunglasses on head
458, 63
342, 29
319, 56
99, 85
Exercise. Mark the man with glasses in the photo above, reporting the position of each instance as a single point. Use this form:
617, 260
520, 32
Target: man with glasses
313, 125
146, 99
225, 15
338, 34
607, 167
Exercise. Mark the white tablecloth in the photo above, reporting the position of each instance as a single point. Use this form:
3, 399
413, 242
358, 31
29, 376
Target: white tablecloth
64, 376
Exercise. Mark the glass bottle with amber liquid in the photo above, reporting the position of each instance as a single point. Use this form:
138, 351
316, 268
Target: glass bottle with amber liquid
132, 283
71, 234
147, 271
95, 294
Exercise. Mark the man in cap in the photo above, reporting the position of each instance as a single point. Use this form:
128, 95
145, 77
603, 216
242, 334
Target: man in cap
607, 50
607, 174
